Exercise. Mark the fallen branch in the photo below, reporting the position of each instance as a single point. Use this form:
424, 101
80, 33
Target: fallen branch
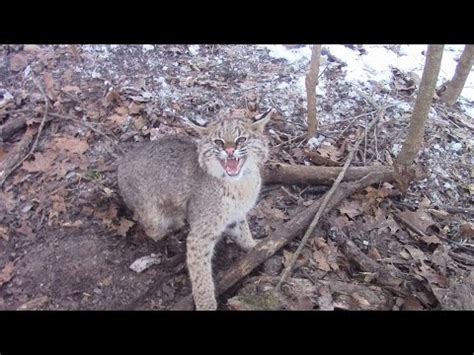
285, 233
4, 173
327, 198
313, 175
11, 127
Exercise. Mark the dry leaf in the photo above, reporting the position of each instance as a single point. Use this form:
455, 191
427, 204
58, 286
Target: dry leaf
7, 273
106, 282
419, 219
430, 239
340, 222
71, 144
41, 163
118, 119
26, 229
467, 230
122, 111
134, 108
139, 123
329, 152
412, 304
4, 233
124, 226
71, 89
351, 208
18, 62
321, 260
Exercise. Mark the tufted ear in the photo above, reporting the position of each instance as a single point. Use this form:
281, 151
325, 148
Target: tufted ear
262, 119
198, 128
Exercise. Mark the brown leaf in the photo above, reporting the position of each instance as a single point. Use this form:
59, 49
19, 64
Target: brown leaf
118, 119
432, 276
106, 282
329, 152
18, 62
340, 222
6, 273
26, 229
124, 226
71, 89
122, 111
321, 260
415, 253
412, 304
139, 122
351, 208
135, 108
71, 144
4, 233
430, 239
419, 219
7, 201
41, 163
467, 230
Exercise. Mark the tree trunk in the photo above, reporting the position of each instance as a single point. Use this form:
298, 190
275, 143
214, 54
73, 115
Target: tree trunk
456, 84
311, 82
414, 140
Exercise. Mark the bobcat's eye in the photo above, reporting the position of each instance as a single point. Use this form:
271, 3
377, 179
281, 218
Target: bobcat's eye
219, 142
240, 140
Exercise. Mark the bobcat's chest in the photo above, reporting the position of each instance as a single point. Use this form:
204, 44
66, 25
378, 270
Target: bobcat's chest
240, 197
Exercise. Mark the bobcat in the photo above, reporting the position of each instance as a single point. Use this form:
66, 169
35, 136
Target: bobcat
211, 185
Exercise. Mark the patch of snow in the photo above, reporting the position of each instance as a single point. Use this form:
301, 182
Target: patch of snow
292, 55
193, 49
148, 47
455, 146
315, 142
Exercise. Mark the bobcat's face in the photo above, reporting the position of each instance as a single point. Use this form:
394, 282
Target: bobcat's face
231, 147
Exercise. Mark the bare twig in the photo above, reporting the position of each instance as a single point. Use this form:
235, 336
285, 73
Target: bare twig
326, 200
311, 82
5, 174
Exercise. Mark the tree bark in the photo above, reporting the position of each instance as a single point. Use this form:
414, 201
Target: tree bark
312, 175
456, 84
414, 140
311, 82
11, 127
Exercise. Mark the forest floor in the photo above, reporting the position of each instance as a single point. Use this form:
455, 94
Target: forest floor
67, 241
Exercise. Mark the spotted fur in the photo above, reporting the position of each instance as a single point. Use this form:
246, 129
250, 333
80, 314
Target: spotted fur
173, 181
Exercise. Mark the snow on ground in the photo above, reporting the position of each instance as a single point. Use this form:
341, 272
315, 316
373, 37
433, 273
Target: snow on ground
376, 63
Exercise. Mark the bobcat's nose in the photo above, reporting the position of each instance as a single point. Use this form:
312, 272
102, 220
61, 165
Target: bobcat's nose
230, 151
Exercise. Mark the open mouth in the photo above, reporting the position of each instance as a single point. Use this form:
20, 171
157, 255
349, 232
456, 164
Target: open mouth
233, 165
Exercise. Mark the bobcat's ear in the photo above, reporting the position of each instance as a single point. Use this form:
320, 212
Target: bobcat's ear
262, 119
198, 128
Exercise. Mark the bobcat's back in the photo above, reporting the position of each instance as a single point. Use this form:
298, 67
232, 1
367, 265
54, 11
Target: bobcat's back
163, 172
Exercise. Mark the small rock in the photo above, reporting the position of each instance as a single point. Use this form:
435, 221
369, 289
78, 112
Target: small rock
144, 263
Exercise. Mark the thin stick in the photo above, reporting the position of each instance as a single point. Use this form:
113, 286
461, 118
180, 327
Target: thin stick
327, 198
40, 129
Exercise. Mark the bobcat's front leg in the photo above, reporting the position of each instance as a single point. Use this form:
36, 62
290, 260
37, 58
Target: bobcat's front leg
240, 233
200, 247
